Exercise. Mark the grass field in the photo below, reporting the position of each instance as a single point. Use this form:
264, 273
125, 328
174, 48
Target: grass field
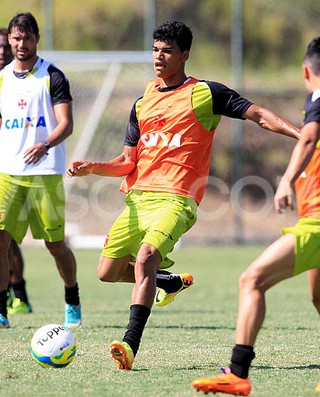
188, 339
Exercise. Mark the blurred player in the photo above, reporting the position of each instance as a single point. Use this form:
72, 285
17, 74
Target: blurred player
297, 251
167, 159
5, 49
17, 301
36, 117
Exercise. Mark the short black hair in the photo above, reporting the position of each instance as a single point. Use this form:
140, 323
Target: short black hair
24, 22
312, 55
174, 31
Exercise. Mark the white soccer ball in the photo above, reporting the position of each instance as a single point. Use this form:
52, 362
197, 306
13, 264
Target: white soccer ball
53, 346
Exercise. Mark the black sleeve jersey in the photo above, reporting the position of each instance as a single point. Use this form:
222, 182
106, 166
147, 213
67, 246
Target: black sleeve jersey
225, 102
312, 108
133, 131
59, 86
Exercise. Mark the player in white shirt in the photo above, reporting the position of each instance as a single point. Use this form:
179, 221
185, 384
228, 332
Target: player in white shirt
36, 118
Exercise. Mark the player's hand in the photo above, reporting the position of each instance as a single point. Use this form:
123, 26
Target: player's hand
35, 153
80, 168
284, 196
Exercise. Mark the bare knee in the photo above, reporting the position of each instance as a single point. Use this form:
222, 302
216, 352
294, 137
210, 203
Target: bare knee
57, 248
113, 270
107, 275
251, 280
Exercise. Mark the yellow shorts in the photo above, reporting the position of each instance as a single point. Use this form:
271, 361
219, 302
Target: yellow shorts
158, 219
307, 246
38, 201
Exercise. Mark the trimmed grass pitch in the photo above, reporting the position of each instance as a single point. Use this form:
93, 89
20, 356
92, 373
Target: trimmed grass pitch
190, 338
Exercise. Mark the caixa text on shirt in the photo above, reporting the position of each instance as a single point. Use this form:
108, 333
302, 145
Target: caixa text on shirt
25, 122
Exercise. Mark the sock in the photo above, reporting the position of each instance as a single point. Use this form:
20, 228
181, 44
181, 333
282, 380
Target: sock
139, 315
170, 282
3, 303
19, 290
241, 358
72, 295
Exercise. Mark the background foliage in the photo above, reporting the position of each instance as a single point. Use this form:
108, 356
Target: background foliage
275, 36
275, 32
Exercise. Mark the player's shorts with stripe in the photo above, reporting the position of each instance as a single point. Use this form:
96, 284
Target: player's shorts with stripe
35, 201
158, 219
307, 245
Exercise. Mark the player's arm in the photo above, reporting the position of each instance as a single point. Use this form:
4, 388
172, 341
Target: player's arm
121, 165
63, 114
301, 155
271, 121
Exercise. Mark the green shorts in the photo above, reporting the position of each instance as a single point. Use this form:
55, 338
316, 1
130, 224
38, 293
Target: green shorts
38, 201
158, 219
307, 246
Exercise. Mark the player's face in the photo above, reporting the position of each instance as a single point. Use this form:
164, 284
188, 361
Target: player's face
5, 51
23, 44
168, 61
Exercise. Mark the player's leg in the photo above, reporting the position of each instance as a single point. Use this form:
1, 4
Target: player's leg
314, 282
67, 267
145, 270
13, 224
20, 303
114, 270
65, 261
155, 224
5, 239
121, 247
182, 213
46, 205
275, 264
169, 285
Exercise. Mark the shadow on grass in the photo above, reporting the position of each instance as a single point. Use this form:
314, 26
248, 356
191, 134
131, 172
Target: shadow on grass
296, 367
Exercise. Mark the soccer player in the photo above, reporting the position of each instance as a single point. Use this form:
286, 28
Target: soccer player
18, 301
296, 251
5, 49
36, 117
166, 158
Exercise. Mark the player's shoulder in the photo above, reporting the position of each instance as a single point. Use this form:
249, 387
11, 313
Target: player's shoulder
213, 88
213, 85
51, 68
315, 96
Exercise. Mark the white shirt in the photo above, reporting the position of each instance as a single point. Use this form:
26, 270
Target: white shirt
27, 118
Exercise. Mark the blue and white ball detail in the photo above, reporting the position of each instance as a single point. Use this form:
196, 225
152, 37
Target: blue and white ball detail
53, 346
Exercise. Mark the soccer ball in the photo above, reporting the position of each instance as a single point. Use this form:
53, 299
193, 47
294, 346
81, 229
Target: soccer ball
53, 346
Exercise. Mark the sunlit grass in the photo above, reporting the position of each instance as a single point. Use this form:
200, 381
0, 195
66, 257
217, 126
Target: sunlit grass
191, 338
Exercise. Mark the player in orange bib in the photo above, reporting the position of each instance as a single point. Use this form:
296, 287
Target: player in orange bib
166, 158
296, 251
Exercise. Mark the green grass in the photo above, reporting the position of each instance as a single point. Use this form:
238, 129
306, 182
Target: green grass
188, 339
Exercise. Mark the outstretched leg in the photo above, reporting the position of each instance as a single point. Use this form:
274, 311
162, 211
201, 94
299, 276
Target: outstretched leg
275, 264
